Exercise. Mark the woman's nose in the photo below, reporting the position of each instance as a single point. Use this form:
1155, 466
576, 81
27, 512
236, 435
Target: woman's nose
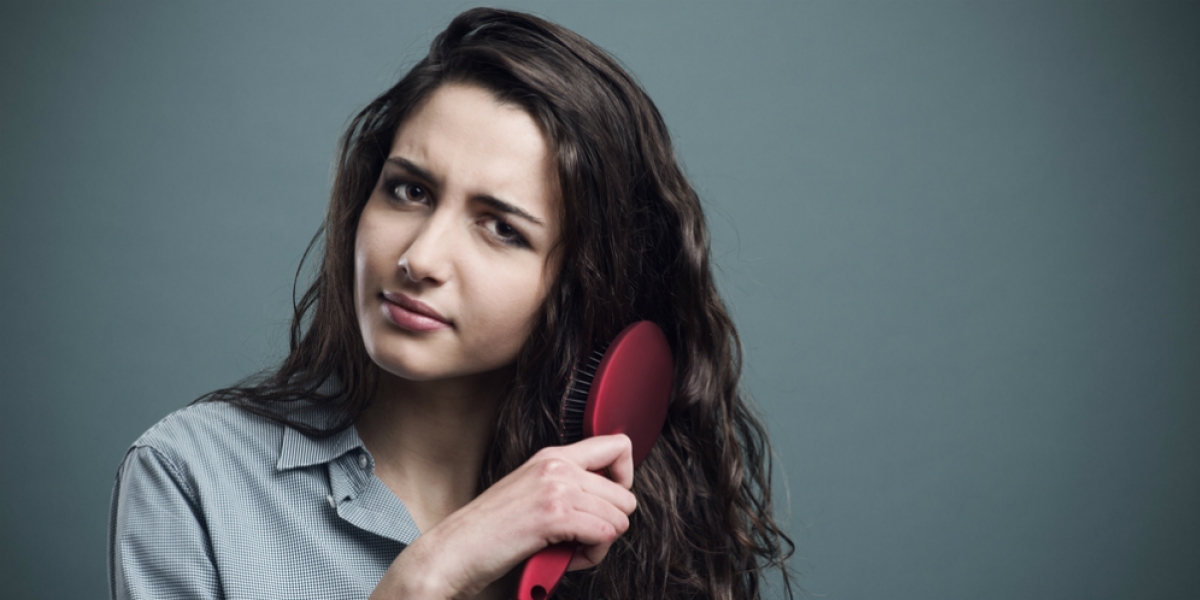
429, 254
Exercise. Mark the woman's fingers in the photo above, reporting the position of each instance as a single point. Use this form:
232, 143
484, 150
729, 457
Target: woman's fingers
595, 521
583, 507
610, 491
602, 510
587, 557
610, 453
560, 494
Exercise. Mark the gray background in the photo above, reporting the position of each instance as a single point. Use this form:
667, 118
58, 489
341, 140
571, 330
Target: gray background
960, 242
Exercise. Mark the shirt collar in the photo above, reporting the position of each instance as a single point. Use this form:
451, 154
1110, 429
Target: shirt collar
300, 450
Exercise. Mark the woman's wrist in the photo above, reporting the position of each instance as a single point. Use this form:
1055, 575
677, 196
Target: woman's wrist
414, 575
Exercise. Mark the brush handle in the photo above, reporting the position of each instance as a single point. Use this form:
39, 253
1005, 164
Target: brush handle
544, 570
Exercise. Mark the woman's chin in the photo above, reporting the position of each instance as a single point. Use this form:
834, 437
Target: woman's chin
412, 376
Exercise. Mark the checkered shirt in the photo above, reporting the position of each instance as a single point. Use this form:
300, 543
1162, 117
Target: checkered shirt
213, 502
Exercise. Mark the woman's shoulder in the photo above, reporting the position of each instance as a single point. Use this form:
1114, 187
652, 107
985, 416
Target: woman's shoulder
213, 438
221, 437
207, 424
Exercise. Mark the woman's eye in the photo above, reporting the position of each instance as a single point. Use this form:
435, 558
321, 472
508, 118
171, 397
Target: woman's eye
409, 192
506, 233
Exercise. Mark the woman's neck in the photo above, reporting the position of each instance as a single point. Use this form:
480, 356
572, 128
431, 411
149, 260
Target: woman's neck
428, 439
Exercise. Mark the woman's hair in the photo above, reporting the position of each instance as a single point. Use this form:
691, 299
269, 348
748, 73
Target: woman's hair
634, 246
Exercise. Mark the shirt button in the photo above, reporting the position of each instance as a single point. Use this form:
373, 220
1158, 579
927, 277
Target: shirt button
331, 501
362, 461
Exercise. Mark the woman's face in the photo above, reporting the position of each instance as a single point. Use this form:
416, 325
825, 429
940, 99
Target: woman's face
452, 254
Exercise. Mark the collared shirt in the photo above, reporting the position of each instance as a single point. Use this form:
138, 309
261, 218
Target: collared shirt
213, 502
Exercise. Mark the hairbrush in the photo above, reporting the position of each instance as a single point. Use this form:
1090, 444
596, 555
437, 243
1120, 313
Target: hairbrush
625, 388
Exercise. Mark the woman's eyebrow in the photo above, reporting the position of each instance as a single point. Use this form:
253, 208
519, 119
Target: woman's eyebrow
411, 167
506, 208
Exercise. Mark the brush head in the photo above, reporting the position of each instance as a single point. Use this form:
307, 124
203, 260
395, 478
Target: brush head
625, 388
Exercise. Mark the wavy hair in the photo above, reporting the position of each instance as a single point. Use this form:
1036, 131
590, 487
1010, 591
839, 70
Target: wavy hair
634, 246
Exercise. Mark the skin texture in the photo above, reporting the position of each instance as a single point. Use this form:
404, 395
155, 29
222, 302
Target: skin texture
463, 220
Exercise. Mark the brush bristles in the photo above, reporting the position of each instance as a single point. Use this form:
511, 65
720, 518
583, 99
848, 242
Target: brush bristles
574, 402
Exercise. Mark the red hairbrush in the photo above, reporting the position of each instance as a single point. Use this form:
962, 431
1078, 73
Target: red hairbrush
626, 389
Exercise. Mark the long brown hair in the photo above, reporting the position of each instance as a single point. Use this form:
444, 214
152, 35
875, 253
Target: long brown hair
634, 246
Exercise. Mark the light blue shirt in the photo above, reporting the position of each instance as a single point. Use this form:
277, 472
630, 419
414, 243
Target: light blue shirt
213, 502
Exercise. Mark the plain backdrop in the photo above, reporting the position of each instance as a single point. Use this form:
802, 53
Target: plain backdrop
961, 241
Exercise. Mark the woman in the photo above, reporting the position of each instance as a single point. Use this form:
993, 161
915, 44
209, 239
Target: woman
511, 203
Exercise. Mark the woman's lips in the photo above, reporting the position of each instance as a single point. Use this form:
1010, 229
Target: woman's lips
411, 314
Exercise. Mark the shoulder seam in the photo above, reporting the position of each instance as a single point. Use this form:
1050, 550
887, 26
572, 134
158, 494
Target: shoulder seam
176, 473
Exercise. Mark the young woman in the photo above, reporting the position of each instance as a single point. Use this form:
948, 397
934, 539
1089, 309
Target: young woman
508, 205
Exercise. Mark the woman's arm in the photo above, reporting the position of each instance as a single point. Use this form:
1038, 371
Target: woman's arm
556, 496
157, 545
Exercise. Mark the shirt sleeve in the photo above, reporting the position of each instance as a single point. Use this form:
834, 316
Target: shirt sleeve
158, 544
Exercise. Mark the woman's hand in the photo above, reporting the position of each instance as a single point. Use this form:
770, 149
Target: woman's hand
558, 495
